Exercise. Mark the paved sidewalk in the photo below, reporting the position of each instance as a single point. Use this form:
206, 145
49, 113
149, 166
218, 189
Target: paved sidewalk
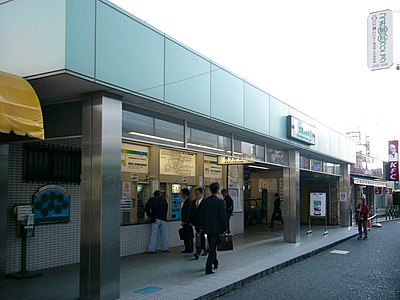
174, 275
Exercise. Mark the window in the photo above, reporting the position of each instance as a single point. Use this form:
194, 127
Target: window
51, 163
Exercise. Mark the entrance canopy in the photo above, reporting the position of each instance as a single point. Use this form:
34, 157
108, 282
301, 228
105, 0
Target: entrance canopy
20, 110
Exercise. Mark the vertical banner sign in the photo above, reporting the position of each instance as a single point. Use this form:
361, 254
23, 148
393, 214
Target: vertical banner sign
318, 204
393, 161
380, 40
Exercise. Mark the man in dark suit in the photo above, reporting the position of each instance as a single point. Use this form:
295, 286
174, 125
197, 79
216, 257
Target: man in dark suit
195, 220
186, 225
213, 223
229, 208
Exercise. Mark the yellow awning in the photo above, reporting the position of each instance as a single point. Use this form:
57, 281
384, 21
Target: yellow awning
20, 109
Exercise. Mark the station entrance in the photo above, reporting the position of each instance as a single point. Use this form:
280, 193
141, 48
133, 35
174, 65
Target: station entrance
262, 184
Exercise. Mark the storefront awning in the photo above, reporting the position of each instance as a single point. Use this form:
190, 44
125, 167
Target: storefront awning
20, 110
375, 183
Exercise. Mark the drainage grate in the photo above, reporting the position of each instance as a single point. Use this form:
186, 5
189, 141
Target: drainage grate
343, 252
148, 290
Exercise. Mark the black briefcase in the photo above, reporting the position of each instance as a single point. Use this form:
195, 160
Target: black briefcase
186, 233
225, 242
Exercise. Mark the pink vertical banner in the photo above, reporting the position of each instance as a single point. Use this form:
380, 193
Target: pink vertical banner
393, 161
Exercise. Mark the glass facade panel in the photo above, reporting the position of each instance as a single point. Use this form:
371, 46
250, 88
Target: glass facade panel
187, 78
278, 113
226, 96
256, 109
206, 141
367, 166
248, 150
153, 129
128, 54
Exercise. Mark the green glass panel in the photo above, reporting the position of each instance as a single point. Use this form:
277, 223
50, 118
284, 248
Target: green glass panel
226, 96
187, 77
256, 109
128, 54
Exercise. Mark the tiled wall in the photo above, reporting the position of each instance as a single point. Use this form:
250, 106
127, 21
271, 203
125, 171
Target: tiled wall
59, 244
53, 245
136, 238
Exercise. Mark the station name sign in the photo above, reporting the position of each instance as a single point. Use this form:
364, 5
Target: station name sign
300, 131
225, 160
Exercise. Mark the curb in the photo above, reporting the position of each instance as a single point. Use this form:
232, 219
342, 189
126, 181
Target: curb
241, 283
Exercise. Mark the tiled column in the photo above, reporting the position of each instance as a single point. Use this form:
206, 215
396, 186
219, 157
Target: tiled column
3, 206
291, 200
101, 195
344, 186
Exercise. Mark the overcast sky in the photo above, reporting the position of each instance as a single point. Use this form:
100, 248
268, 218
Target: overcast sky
311, 54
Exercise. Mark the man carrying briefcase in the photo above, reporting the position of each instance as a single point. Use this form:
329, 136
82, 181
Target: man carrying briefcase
213, 223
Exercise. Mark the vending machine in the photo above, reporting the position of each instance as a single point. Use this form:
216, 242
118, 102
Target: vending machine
176, 200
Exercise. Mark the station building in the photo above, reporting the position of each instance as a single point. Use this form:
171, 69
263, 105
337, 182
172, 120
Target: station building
128, 110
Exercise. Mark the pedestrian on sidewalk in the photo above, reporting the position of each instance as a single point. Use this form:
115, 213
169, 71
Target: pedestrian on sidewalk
277, 214
213, 223
362, 213
186, 225
195, 221
229, 208
157, 210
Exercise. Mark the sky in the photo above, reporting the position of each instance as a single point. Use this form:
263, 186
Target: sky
311, 54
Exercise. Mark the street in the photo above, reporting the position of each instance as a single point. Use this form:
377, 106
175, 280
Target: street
370, 270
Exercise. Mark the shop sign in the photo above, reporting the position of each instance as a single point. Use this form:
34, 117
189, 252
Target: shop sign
300, 131
276, 157
393, 161
134, 158
225, 160
380, 40
318, 204
211, 167
317, 165
375, 183
179, 163
343, 197
304, 163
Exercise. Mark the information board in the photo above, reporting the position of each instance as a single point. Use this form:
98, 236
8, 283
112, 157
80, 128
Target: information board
173, 162
211, 167
318, 204
134, 158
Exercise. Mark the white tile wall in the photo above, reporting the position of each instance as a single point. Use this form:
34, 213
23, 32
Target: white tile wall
59, 244
53, 245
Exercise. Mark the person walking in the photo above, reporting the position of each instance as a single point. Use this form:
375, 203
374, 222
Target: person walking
186, 225
157, 209
229, 208
213, 223
277, 214
195, 220
362, 213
